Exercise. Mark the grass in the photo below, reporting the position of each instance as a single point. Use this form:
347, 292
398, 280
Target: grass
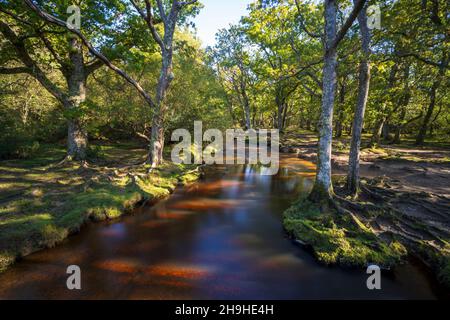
337, 239
41, 205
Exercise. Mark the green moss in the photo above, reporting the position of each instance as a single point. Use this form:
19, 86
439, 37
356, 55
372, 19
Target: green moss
437, 258
377, 150
336, 240
70, 196
444, 271
411, 158
6, 259
189, 177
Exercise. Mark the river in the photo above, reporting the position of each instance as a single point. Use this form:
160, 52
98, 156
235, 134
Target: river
220, 238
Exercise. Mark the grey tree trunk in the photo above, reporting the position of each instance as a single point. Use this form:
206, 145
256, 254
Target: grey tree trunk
77, 138
398, 129
377, 130
156, 149
363, 92
280, 117
246, 100
340, 120
426, 120
323, 189
281, 105
403, 103
285, 117
386, 130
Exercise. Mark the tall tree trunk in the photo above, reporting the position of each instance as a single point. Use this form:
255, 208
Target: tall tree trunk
378, 129
280, 112
323, 189
398, 129
77, 138
403, 103
386, 131
155, 156
230, 108
340, 120
285, 113
363, 92
426, 120
248, 124
280, 117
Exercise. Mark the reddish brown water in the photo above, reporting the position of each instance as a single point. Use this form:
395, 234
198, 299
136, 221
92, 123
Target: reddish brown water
221, 238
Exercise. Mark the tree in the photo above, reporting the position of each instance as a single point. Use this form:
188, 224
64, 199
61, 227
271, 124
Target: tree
272, 29
169, 17
232, 60
323, 189
363, 92
36, 46
422, 34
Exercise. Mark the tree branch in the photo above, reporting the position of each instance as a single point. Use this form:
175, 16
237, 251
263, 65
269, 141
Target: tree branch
162, 13
302, 24
50, 48
15, 16
29, 63
49, 18
148, 18
429, 62
348, 23
94, 65
16, 70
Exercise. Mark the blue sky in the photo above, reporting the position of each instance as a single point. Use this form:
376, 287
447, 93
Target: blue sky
218, 14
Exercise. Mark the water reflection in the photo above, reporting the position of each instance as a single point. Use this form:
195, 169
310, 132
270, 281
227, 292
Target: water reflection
219, 238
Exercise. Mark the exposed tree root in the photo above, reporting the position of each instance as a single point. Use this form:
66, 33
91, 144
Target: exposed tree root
421, 221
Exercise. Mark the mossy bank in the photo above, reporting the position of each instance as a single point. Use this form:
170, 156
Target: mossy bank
343, 239
41, 205
339, 239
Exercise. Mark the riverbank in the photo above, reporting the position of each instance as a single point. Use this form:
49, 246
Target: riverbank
404, 203
43, 202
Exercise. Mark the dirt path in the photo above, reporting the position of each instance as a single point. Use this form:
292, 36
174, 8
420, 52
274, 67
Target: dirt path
413, 170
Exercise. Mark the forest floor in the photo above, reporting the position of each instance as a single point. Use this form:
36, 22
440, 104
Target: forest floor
405, 193
42, 201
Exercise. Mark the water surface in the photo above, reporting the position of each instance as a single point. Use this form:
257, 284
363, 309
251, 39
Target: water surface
220, 238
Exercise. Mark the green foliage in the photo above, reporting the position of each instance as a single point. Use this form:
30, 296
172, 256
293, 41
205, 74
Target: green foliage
17, 147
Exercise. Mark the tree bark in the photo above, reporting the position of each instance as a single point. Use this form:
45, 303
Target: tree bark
363, 92
246, 100
285, 117
377, 130
281, 105
398, 129
340, 120
155, 156
403, 103
426, 120
323, 189
77, 138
